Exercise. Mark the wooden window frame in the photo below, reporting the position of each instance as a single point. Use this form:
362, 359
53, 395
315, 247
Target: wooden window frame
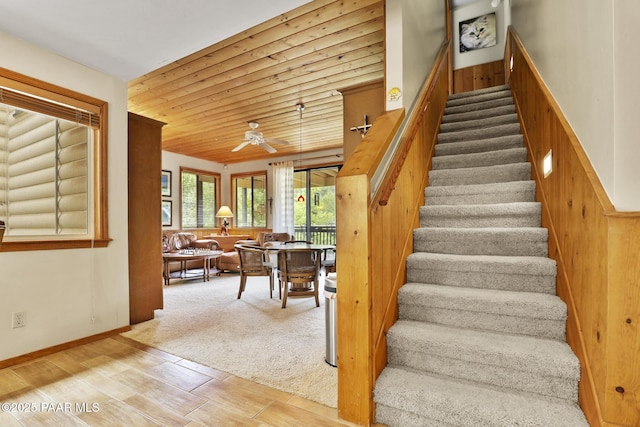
218, 179
234, 201
47, 98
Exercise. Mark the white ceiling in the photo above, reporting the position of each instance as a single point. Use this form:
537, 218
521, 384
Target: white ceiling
128, 38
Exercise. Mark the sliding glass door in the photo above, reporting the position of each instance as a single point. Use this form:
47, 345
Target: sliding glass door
315, 205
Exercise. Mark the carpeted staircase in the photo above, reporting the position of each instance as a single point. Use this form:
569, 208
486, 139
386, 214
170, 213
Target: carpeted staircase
481, 336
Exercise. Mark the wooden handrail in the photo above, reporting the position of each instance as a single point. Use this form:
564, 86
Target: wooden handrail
413, 125
595, 249
373, 239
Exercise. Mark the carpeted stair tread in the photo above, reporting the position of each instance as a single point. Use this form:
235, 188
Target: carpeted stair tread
428, 400
509, 273
481, 174
481, 123
548, 357
529, 364
479, 114
479, 146
525, 214
472, 160
522, 313
471, 93
479, 134
502, 192
478, 97
478, 106
517, 241
533, 266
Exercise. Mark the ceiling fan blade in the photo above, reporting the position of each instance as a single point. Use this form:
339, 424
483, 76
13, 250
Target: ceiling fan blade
241, 146
276, 141
267, 147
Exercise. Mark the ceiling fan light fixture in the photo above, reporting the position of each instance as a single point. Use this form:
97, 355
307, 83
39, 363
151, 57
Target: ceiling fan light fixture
255, 137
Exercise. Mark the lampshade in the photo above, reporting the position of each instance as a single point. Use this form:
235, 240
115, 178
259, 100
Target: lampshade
224, 212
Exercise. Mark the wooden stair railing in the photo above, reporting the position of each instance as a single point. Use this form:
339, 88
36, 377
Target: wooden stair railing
375, 236
595, 246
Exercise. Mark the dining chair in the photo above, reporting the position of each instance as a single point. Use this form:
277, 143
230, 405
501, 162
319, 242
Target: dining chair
298, 271
329, 260
253, 262
2, 227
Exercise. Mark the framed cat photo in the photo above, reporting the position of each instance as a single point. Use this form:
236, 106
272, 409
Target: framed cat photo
477, 33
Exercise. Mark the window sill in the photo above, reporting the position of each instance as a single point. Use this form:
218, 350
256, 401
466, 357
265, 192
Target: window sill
45, 245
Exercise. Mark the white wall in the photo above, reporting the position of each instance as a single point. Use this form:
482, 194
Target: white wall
173, 162
415, 30
586, 53
62, 290
626, 152
487, 54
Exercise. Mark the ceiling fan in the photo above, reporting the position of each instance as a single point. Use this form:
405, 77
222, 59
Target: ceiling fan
254, 137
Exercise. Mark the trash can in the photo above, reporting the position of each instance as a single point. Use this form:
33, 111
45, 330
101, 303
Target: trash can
331, 325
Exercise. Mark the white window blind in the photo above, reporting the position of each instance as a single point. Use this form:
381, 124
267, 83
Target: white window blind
44, 189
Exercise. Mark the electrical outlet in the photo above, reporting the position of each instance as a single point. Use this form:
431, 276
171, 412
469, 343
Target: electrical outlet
19, 319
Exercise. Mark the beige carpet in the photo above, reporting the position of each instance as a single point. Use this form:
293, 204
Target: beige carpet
253, 338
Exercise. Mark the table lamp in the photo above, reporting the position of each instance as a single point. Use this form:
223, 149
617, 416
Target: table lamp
224, 213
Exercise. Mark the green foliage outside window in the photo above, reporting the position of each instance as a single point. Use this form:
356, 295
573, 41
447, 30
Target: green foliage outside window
198, 200
250, 195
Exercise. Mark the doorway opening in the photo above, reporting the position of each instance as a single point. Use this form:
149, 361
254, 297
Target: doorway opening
315, 204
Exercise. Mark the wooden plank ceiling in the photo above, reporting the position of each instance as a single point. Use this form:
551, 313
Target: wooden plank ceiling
304, 57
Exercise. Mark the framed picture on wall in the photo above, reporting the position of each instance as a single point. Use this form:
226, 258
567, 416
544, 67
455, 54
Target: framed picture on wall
165, 183
477, 33
166, 213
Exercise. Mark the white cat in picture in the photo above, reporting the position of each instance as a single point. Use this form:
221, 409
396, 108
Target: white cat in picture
478, 32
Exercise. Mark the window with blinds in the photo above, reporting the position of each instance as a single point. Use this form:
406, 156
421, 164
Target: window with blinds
51, 166
45, 174
199, 195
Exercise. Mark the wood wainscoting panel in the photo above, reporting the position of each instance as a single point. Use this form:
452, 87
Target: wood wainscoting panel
595, 248
375, 236
478, 77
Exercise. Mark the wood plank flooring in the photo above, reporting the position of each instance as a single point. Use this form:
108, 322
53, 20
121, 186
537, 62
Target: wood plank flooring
117, 381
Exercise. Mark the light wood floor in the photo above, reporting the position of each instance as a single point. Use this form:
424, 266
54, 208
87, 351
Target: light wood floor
119, 382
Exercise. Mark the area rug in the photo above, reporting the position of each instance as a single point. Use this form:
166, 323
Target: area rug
251, 337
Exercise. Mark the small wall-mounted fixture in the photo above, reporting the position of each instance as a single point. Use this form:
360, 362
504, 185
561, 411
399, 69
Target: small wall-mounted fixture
495, 3
547, 164
511, 64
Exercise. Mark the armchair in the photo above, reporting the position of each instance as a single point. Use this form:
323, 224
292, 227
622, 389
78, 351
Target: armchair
299, 267
253, 262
